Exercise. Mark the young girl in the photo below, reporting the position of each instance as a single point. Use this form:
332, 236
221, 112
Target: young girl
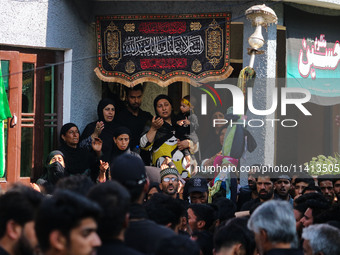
187, 124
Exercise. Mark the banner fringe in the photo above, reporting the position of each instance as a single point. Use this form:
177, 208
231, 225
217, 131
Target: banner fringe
166, 83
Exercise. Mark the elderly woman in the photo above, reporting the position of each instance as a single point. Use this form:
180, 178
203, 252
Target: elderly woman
102, 128
160, 138
79, 160
54, 170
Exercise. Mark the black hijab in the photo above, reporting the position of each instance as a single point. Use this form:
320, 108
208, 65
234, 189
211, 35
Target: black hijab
115, 150
121, 130
77, 160
166, 131
64, 130
159, 97
55, 171
107, 133
52, 172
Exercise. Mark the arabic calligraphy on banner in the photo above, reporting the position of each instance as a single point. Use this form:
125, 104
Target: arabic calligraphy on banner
163, 48
318, 56
313, 54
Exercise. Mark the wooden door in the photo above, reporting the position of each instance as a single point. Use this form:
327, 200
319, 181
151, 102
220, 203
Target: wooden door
21, 93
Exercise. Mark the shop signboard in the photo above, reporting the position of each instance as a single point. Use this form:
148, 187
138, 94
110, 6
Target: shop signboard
313, 54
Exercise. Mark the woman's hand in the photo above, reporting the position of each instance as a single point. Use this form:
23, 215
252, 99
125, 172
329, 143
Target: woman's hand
103, 166
156, 123
98, 129
97, 144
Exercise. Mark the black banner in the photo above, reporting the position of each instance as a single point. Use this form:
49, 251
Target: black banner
163, 48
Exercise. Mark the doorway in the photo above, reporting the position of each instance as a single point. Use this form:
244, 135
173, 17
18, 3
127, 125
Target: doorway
32, 88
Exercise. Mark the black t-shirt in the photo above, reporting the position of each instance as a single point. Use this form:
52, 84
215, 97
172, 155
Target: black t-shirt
3, 251
284, 252
143, 234
243, 197
250, 204
116, 247
136, 124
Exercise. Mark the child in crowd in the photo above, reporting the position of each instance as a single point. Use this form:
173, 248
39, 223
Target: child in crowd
187, 124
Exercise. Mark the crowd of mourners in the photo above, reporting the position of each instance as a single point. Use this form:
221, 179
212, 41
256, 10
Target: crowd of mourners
127, 185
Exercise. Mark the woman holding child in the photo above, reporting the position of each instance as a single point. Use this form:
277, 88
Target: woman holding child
161, 139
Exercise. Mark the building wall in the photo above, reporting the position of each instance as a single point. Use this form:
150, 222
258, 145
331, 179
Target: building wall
58, 25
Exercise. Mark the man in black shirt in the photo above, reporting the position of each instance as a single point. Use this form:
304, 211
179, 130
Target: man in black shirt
248, 192
265, 190
114, 200
133, 117
17, 210
66, 223
142, 234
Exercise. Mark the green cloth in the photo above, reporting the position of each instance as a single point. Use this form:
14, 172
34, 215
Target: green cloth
4, 114
2, 149
4, 107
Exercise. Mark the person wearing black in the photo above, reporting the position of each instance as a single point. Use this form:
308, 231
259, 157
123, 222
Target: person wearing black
265, 190
122, 141
201, 219
114, 200
66, 223
179, 245
226, 210
165, 210
197, 190
160, 138
142, 234
301, 182
18, 207
234, 238
248, 192
79, 160
80, 184
102, 128
134, 118
325, 182
54, 170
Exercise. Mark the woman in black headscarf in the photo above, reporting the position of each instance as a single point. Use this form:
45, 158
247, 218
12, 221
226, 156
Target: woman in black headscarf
121, 145
102, 128
54, 170
160, 139
121, 139
79, 160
